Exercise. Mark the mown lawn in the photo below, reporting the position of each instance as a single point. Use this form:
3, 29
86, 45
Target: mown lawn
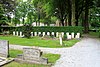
95, 34
52, 58
37, 41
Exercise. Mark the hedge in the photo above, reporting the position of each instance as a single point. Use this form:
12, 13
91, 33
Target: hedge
65, 29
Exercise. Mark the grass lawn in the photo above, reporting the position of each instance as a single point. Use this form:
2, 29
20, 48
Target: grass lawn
37, 41
95, 34
13, 53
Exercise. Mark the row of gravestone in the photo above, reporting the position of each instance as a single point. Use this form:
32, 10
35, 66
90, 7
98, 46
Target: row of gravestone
69, 36
30, 55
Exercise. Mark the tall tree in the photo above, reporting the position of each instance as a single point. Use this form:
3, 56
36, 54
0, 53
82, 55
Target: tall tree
73, 12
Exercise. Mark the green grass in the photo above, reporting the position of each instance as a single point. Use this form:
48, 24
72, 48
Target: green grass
13, 53
95, 34
37, 41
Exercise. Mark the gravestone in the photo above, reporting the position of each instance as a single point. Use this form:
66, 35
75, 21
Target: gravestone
17, 33
31, 34
77, 36
4, 48
48, 33
43, 34
67, 34
60, 38
53, 33
4, 53
14, 33
62, 34
35, 33
32, 55
57, 34
68, 37
39, 33
21, 34
72, 34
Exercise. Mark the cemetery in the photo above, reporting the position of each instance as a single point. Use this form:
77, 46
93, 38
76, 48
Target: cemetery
49, 33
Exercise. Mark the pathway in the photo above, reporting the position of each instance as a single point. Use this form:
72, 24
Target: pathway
85, 53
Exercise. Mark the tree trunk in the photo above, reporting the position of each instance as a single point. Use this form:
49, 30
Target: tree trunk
69, 19
76, 22
86, 23
69, 13
62, 22
73, 12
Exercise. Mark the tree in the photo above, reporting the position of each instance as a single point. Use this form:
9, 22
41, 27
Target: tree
73, 13
3, 18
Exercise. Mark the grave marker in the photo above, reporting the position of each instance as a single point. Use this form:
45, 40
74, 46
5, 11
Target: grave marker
4, 48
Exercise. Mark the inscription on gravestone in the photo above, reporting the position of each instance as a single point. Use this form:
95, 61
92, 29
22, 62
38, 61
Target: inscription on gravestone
31, 53
4, 48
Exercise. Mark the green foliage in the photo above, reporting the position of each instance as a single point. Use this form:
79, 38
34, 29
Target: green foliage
55, 29
58, 29
3, 18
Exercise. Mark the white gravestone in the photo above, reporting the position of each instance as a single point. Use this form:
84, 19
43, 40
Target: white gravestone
17, 33
60, 38
72, 34
62, 34
21, 34
39, 33
53, 33
69, 37
67, 34
43, 34
14, 33
31, 34
48, 33
57, 34
35, 33
77, 35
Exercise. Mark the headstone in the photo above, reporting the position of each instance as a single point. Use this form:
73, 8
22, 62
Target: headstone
39, 33
77, 35
62, 34
72, 34
14, 33
4, 48
69, 37
32, 55
67, 33
57, 34
53, 33
60, 38
17, 33
31, 34
48, 33
43, 34
21, 34
35, 33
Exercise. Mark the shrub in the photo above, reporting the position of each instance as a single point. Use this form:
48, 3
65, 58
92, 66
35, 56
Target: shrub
55, 29
27, 30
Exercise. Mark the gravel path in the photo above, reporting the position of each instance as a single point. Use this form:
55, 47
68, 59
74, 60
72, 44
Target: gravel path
85, 53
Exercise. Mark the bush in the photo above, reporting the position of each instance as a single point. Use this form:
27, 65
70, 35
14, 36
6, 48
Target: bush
27, 30
55, 29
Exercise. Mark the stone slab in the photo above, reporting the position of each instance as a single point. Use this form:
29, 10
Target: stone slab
4, 48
